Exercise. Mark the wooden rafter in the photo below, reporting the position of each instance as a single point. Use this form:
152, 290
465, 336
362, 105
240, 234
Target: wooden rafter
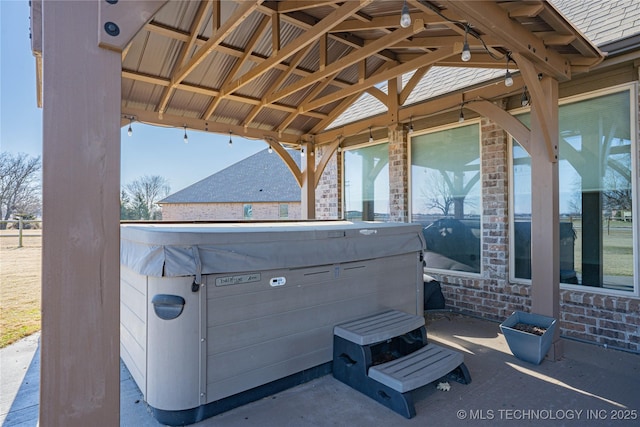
495, 22
283, 76
260, 29
424, 60
411, 84
348, 60
316, 90
334, 18
243, 10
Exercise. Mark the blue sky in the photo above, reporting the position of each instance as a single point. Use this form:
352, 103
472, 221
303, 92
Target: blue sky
149, 151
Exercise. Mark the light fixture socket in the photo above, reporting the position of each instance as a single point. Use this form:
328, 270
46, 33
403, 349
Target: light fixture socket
405, 17
524, 99
466, 53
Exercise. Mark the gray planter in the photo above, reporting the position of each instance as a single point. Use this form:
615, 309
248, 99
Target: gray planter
524, 345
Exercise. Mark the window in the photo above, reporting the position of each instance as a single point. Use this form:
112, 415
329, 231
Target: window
284, 211
596, 187
366, 183
247, 211
446, 196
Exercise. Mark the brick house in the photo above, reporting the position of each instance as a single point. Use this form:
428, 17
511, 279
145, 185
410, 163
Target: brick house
260, 187
599, 287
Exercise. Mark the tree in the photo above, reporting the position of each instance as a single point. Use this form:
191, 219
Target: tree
19, 185
438, 194
139, 198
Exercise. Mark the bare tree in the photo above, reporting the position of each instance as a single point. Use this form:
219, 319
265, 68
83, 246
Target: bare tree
140, 197
438, 194
19, 185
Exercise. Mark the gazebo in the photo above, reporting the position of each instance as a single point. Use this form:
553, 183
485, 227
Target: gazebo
281, 71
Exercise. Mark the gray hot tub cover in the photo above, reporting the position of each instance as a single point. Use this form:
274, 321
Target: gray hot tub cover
172, 250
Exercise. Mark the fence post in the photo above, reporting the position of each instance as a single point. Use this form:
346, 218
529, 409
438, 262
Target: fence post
20, 231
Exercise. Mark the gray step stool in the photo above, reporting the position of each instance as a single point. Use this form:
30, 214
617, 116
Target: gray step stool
386, 356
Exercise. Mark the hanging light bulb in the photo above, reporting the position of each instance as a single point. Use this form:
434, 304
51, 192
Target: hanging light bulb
466, 53
230, 140
186, 138
370, 135
405, 17
524, 99
270, 150
461, 116
130, 130
410, 125
508, 80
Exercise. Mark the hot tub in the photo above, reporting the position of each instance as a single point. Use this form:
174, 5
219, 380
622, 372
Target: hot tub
217, 315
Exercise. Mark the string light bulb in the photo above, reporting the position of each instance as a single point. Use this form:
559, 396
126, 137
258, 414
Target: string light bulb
405, 17
185, 138
230, 140
270, 150
130, 130
370, 135
466, 53
410, 125
461, 116
508, 79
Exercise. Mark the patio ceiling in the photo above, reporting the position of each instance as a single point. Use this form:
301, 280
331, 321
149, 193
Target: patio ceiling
287, 69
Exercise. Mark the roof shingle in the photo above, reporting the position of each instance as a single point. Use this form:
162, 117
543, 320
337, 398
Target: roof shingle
262, 177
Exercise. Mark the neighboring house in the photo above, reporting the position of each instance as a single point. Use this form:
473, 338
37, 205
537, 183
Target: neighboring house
260, 187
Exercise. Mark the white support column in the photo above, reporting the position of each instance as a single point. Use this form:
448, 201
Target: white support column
80, 346
545, 243
308, 195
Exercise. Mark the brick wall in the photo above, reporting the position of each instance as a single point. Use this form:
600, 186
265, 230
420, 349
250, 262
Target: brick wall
328, 191
398, 175
602, 319
225, 211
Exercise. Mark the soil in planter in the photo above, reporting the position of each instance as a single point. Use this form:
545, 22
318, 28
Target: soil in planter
532, 329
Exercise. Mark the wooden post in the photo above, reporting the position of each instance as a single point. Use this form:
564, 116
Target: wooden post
80, 345
20, 228
545, 229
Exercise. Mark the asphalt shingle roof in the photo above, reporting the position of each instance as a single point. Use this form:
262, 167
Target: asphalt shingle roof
262, 177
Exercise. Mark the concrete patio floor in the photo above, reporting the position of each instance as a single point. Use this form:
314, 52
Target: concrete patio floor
591, 385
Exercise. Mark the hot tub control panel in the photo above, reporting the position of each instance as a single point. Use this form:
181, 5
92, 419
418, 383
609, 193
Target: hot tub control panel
278, 281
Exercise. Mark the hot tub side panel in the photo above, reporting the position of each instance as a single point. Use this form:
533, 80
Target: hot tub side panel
133, 324
266, 325
174, 362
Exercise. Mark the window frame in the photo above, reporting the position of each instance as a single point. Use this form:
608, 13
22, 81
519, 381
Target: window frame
634, 117
477, 121
344, 170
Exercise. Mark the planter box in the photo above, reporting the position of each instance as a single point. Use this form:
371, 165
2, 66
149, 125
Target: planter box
524, 345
